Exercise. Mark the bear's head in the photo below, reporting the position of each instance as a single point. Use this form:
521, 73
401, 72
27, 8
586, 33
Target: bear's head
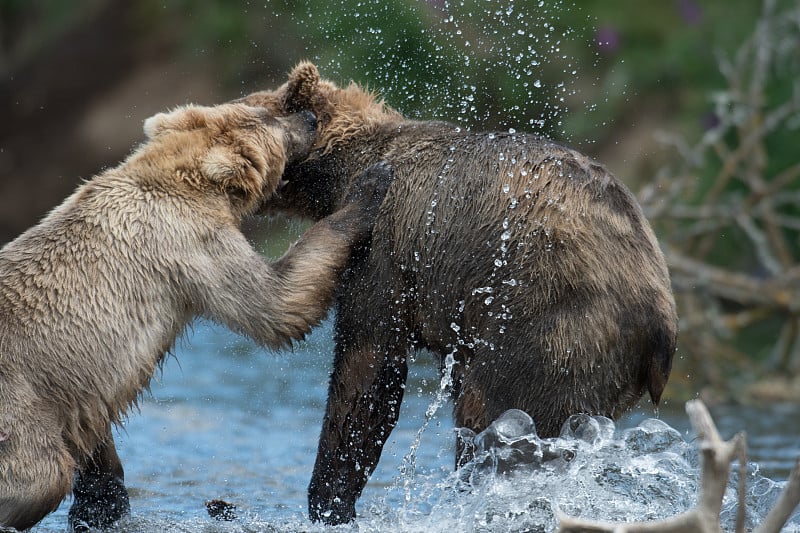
342, 111
235, 150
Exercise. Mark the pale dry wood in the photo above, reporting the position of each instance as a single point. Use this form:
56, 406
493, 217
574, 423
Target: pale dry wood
786, 504
730, 237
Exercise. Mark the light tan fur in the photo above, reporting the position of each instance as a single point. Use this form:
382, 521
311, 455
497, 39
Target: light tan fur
93, 297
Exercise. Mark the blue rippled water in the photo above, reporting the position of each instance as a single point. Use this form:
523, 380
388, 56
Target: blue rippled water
228, 420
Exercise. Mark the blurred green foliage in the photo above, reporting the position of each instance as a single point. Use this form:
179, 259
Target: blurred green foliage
472, 61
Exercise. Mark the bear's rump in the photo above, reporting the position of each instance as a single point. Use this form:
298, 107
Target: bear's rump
553, 277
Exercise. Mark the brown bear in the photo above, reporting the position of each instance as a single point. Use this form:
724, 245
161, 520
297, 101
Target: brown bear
526, 263
93, 297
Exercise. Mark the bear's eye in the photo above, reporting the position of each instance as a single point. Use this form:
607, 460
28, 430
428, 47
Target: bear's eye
236, 193
248, 159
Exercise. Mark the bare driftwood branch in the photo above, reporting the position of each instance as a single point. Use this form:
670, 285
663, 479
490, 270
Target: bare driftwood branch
786, 504
776, 293
726, 210
717, 456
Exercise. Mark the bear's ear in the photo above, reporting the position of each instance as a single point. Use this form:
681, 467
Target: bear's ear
181, 119
302, 88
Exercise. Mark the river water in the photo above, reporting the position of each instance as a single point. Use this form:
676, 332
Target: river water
228, 420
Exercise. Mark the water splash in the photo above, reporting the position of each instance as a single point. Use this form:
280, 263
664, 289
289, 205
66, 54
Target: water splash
468, 62
408, 467
518, 481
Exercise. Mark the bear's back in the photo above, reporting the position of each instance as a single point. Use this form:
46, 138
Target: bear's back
517, 245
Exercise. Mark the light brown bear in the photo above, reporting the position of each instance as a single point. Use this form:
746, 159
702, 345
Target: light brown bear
527, 263
93, 297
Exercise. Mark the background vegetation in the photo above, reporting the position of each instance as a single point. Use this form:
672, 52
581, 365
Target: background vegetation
694, 104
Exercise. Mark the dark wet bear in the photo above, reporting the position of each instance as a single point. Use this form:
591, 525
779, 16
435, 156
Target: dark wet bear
527, 263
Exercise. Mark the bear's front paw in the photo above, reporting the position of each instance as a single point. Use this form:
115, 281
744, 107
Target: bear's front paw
331, 512
98, 503
302, 131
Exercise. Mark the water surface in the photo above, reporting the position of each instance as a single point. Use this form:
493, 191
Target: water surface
229, 420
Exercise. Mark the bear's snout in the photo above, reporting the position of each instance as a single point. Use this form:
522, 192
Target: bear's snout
310, 120
302, 133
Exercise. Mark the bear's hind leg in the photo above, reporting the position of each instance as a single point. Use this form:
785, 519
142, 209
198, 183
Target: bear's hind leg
496, 380
99, 493
469, 412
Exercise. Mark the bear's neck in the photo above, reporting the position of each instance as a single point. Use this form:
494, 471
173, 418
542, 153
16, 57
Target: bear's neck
319, 185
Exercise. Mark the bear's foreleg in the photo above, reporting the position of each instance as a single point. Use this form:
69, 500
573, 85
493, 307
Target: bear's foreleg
273, 303
36, 466
364, 396
99, 493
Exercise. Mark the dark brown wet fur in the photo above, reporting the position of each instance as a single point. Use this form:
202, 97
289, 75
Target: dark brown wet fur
528, 262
